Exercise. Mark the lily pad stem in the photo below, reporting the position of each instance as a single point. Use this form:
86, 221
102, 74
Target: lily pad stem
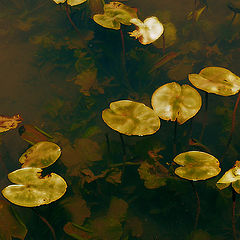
124, 152
70, 19
47, 223
164, 43
198, 204
175, 139
204, 117
233, 122
233, 214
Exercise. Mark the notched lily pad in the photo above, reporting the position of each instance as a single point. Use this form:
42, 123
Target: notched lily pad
216, 80
70, 2
115, 14
196, 165
131, 118
41, 155
31, 189
148, 31
7, 123
174, 102
231, 176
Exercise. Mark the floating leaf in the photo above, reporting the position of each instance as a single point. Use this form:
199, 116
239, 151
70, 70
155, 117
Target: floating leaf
231, 176
32, 189
152, 175
7, 123
174, 102
70, 2
196, 165
11, 225
216, 80
131, 118
41, 155
115, 14
148, 31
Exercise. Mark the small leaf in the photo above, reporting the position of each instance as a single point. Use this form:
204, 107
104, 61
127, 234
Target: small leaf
216, 80
196, 165
174, 102
32, 189
131, 118
7, 123
41, 155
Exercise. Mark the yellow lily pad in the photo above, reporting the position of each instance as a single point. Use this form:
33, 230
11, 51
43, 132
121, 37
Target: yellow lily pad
41, 155
7, 123
115, 14
131, 118
216, 80
31, 189
70, 2
174, 102
148, 31
231, 176
196, 165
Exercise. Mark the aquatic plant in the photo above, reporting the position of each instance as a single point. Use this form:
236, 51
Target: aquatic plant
131, 118
195, 166
115, 14
232, 176
70, 2
7, 123
148, 31
176, 103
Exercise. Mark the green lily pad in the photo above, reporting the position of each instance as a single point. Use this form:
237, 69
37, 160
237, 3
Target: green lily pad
131, 118
148, 31
216, 80
41, 155
70, 2
7, 123
174, 102
196, 165
11, 225
32, 189
115, 14
231, 176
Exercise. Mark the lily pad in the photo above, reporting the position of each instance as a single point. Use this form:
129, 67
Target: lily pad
11, 225
231, 176
70, 2
216, 80
196, 165
115, 14
148, 31
174, 102
32, 189
131, 118
41, 155
7, 123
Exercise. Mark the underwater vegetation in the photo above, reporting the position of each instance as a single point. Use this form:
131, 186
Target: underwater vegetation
141, 137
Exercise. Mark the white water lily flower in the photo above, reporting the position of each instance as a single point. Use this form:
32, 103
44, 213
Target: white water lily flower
148, 31
70, 2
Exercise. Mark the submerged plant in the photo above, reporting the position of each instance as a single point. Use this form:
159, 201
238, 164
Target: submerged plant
148, 31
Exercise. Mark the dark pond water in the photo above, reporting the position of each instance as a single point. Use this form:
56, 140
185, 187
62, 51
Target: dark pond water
61, 80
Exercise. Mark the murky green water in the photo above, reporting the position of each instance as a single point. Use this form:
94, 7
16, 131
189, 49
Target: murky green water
61, 80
